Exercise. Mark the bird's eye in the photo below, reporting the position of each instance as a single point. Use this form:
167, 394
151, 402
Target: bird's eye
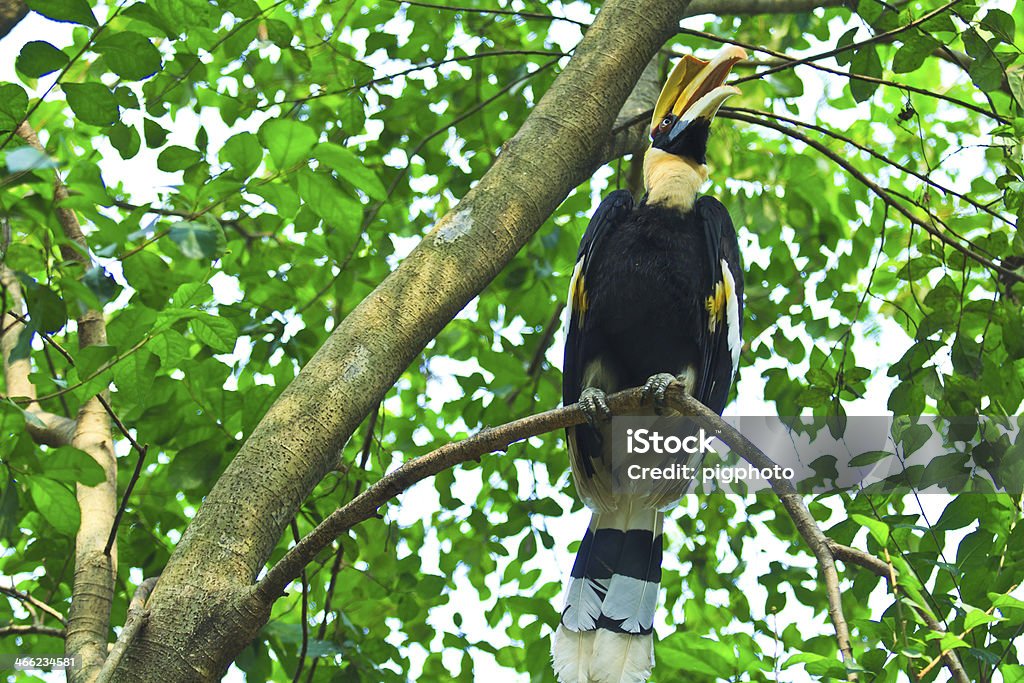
666, 122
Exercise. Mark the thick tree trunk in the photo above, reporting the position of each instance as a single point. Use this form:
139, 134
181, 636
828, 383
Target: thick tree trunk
203, 610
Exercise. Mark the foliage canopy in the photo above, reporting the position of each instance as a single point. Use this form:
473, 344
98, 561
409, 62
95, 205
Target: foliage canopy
247, 172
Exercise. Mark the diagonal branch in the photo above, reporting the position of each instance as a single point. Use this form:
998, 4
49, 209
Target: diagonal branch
786, 62
133, 623
27, 599
490, 440
886, 571
882, 193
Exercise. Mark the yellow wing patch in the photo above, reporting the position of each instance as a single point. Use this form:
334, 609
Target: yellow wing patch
715, 304
578, 292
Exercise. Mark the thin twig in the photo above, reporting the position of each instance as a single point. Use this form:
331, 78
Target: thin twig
127, 494
137, 617
417, 67
887, 572
44, 336
375, 209
881, 157
878, 190
788, 62
29, 600
878, 38
538, 355
339, 555
305, 613
31, 630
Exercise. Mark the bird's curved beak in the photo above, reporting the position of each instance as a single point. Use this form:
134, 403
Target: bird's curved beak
695, 89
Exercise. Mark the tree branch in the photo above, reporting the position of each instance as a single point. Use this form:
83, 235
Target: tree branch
490, 440
877, 38
717, 7
27, 599
783, 61
881, 157
133, 623
886, 571
95, 571
877, 189
30, 630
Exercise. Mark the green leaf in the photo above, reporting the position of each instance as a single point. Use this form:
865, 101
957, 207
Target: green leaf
130, 55
288, 141
243, 153
126, 99
322, 193
1001, 24
192, 294
125, 139
1004, 602
985, 70
103, 287
92, 103
155, 134
217, 333
950, 641
912, 53
818, 665
69, 465
38, 58
93, 359
201, 241
71, 11
866, 63
46, 309
350, 169
13, 105
868, 458
177, 158
27, 159
279, 33
1015, 79
56, 503
877, 528
9, 507
976, 617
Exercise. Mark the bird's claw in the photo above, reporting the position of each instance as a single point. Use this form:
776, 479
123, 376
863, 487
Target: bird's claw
655, 388
595, 406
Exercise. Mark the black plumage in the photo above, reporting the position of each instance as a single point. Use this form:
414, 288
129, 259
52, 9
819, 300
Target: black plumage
647, 273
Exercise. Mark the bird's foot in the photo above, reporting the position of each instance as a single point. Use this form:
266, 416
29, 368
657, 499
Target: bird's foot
655, 388
595, 406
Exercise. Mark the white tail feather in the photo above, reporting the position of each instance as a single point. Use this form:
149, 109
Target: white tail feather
583, 603
631, 600
621, 658
570, 653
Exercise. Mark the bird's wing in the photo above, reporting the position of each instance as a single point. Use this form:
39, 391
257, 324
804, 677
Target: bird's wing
722, 329
581, 338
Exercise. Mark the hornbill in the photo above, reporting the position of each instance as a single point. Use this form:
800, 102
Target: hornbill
656, 296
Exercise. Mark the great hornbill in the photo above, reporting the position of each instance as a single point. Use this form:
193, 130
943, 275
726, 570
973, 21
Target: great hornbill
656, 296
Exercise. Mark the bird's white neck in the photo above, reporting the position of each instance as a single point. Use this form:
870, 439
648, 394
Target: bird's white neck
672, 181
